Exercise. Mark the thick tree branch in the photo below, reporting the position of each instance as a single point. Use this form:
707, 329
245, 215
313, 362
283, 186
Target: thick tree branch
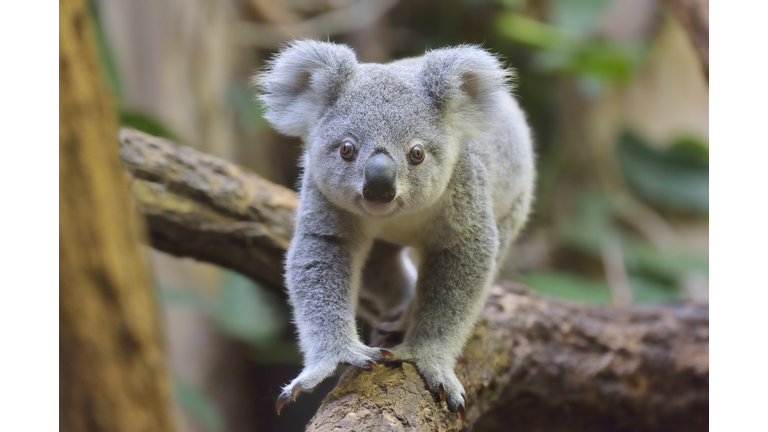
532, 363
209, 209
535, 363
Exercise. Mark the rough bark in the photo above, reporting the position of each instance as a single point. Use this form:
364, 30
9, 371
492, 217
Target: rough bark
209, 209
533, 362
694, 15
112, 366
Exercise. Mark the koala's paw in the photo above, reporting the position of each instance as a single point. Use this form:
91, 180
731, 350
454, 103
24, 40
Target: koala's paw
444, 382
316, 371
440, 378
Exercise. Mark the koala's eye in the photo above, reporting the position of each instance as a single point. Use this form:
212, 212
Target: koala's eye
416, 156
347, 149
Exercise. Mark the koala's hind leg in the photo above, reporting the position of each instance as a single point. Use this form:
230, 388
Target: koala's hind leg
389, 279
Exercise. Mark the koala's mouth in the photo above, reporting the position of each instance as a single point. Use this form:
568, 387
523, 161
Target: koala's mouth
380, 209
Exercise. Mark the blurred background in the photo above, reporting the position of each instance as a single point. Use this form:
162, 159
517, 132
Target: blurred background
615, 93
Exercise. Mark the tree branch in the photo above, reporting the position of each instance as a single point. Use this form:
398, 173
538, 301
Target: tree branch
535, 363
209, 209
532, 362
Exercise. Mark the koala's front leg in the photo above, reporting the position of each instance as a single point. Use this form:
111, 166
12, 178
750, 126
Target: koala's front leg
450, 293
322, 268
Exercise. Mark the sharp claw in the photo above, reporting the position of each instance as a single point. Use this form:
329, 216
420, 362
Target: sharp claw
281, 401
295, 392
462, 413
441, 390
373, 365
387, 353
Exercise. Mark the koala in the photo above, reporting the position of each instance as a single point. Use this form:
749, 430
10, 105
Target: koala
432, 154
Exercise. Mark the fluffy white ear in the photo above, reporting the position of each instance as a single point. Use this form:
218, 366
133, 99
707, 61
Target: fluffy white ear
301, 81
464, 74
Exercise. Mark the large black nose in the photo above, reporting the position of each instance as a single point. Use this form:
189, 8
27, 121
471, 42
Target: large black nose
380, 178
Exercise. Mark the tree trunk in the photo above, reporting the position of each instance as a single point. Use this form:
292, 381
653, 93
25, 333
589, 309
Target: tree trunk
111, 364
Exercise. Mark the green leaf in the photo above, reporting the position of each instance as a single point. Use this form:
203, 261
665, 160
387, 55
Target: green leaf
568, 286
529, 31
198, 405
646, 290
676, 179
597, 291
668, 265
690, 150
638, 256
145, 123
607, 60
247, 312
571, 46
594, 223
249, 110
577, 18
596, 62
185, 297
242, 310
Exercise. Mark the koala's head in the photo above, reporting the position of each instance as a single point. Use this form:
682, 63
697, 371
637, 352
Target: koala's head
380, 139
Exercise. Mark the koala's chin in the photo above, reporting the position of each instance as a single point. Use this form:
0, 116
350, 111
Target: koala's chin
379, 209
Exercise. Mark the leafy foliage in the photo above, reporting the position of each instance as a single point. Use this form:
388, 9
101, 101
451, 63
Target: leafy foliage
570, 45
145, 123
677, 178
654, 272
241, 310
569, 286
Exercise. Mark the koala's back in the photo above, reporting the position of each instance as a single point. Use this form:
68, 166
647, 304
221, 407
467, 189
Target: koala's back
511, 164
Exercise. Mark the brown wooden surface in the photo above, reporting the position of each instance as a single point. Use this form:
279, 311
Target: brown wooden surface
111, 361
203, 207
536, 363
533, 363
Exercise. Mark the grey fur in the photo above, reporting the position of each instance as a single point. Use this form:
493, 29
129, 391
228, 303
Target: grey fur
459, 209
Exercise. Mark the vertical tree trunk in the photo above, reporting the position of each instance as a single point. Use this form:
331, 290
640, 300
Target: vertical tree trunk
111, 363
